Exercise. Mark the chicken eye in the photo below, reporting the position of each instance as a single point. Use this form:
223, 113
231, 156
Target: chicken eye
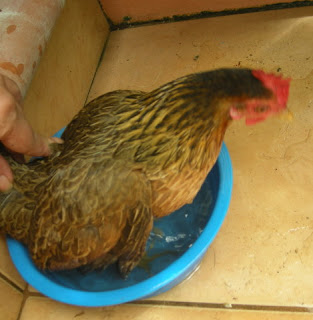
240, 106
261, 108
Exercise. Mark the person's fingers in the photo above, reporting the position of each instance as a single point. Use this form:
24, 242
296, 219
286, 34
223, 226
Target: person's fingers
6, 176
20, 137
16, 134
56, 140
10, 87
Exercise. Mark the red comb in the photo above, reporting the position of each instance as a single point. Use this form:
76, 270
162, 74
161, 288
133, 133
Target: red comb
275, 83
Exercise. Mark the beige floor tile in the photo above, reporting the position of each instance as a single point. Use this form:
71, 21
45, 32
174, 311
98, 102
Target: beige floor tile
10, 301
7, 267
42, 308
146, 57
64, 76
264, 252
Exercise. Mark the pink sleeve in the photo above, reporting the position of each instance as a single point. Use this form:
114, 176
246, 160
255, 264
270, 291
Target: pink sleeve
25, 27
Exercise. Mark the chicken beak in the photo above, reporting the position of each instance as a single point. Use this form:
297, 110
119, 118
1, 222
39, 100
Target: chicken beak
286, 115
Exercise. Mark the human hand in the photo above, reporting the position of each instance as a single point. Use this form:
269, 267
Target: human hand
16, 134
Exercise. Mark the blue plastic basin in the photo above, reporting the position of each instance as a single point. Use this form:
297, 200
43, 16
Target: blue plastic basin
175, 248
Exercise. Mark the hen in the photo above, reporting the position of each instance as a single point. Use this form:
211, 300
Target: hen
129, 157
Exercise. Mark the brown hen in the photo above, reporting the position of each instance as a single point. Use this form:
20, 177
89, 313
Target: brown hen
127, 157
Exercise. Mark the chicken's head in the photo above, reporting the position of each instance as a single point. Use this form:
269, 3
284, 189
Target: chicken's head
256, 110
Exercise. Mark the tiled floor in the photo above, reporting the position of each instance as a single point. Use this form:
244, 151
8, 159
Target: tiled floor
37, 308
261, 262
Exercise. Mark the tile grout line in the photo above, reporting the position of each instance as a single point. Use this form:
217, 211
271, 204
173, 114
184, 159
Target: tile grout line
111, 25
225, 306
97, 67
204, 305
212, 14
102, 51
10, 282
25, 297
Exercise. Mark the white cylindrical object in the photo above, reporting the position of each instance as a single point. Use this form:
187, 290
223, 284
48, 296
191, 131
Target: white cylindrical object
25, 29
